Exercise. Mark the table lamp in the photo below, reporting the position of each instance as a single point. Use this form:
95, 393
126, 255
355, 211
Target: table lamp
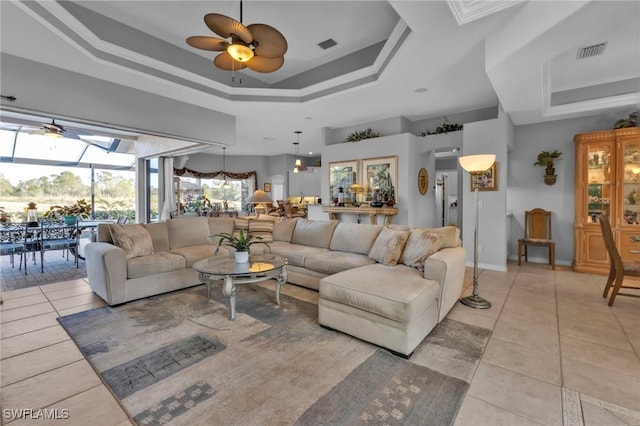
259, 197
476, 165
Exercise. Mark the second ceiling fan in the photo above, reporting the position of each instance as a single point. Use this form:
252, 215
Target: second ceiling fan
258, 47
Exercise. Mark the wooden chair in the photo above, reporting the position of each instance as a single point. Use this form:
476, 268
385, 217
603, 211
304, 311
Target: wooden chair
618, 269
537, 232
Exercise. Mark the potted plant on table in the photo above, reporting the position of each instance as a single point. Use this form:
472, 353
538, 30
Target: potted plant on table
241, 243
548, 159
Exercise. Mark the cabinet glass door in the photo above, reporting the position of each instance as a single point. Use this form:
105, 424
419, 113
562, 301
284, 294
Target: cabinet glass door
599, 181
631, 185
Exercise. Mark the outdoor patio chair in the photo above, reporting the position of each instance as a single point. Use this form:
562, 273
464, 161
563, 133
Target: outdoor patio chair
56, 236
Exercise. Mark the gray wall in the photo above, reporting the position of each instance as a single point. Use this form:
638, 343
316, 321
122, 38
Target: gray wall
526, 187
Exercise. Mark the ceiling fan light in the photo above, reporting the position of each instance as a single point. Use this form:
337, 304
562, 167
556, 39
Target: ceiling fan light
298, 162
52, 134
295, 169
240, 52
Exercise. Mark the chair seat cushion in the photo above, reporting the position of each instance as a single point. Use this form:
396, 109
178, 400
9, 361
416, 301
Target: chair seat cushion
399, 292
539, 241
59, 244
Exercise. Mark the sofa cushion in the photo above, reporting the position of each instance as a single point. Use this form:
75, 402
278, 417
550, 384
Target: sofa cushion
399, 292
220, 225
283, 229
314, 233
354, 237
154, 264
194, 253
104, 233
263, 216
294, 253
134, 239
331, 262
450, 234
190, 231
159, 235
388, 246
241, 223
420, 245
263, 229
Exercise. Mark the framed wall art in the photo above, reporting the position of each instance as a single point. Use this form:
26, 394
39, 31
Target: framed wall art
342, 174
487, 180
267, 187
380, 178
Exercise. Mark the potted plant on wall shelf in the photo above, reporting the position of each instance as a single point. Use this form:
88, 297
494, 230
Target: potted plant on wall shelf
548, 159
241, 243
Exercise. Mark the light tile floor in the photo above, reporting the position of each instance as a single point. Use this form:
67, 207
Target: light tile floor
558, 354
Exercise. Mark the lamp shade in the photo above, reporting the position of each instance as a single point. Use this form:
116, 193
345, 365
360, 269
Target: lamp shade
259, 196
477, 163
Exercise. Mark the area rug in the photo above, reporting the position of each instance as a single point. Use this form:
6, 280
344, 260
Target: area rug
177, 359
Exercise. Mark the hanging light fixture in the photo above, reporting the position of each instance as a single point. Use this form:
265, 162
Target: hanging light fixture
225, 184
298, 163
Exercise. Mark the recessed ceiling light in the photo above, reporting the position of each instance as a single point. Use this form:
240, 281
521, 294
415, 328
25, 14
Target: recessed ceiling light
310, 153
421, 90
308, 118
268, 138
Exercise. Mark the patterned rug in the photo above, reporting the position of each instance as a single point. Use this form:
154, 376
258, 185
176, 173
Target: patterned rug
177, 359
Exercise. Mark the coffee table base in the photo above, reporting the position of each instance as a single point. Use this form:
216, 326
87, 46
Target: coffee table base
229, 285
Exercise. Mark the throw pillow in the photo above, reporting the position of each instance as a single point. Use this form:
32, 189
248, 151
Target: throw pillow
262, 229
420, 245
388, 246
283, 229
135, 240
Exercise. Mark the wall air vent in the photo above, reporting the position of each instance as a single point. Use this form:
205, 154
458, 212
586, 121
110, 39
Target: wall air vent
591, 51
327, 43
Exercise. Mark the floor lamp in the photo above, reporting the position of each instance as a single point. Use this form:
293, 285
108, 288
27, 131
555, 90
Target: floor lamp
476, 165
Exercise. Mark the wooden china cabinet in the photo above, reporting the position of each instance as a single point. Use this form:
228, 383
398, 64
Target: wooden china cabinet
607, 180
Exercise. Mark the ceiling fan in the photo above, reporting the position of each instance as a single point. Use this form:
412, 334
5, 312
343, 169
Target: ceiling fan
259, 47
53, 130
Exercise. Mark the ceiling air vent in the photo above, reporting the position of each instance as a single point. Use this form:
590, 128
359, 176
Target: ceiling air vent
591, 51
327, 43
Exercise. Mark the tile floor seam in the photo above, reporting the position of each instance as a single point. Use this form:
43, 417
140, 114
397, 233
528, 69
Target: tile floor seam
36, 349
494, 324
624, 331
506, 409
46, 371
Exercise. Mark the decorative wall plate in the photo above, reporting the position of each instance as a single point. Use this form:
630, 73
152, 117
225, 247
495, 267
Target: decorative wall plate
423, 181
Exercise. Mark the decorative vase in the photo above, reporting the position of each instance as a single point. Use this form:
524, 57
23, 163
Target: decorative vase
241, 256
390, 202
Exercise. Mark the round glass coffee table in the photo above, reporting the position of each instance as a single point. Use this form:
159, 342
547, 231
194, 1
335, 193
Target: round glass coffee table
218, 269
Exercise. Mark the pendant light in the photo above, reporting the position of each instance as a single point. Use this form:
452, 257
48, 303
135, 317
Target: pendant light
298, 163
225, 184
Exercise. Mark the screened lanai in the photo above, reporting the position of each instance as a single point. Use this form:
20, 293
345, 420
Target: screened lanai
54, 168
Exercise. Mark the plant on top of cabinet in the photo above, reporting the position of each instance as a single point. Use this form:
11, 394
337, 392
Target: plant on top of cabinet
548, 159
358, 136
631, 121
446, 127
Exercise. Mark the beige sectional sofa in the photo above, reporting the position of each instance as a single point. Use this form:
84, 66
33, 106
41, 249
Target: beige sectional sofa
386, 285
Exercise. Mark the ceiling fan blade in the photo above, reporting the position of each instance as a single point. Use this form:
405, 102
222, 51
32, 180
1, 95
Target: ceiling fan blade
269, 42
226, 27
261, 64
208, 43
226, 62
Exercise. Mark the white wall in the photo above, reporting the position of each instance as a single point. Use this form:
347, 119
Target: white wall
487, 137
